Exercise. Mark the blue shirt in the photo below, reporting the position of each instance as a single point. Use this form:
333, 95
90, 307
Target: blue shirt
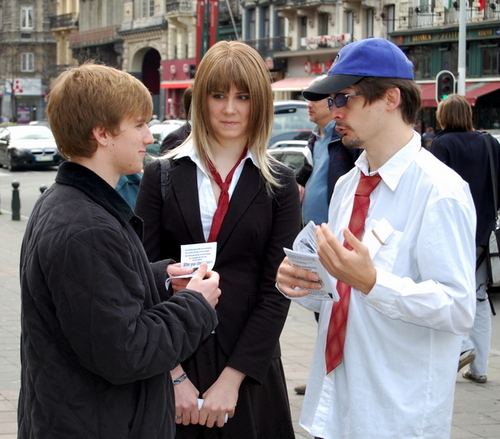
315, 204
128, 187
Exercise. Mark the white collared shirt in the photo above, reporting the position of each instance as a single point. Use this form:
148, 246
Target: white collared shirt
208, 203
403, 340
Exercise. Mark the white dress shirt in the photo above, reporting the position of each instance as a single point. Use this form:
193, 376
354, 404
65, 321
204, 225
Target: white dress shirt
403, 339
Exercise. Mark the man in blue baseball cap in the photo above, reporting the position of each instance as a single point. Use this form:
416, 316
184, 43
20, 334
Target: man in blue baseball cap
400, 244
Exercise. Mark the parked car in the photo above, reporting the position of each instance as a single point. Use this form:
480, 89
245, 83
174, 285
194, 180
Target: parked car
292, 156
288, 143
159, 132
495, 133
291, 121
23, 146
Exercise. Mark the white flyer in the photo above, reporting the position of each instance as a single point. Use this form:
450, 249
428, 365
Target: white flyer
193, 255
304, 256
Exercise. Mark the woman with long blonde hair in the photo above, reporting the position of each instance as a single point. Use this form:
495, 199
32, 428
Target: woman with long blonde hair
221, 186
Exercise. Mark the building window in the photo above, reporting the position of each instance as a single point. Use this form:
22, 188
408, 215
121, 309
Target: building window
303, 27
349, 24
147, 8
449, 57
281, 26
369, 23
420, 56
391, 18
251, 24
490, 61
303, 32
322, 24
265, 31
26, 17
27, 62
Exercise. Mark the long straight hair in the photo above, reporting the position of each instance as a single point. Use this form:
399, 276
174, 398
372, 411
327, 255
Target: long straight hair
225, 64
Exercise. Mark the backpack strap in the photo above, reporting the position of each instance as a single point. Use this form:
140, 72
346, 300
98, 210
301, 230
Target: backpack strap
164, 177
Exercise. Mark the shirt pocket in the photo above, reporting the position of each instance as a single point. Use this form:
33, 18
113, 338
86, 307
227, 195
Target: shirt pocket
383, 242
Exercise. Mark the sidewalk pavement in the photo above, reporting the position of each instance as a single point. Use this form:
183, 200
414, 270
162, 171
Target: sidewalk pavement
477, 406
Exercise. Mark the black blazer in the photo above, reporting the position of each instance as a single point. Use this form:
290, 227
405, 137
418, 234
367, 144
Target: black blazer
251, 311
467, 154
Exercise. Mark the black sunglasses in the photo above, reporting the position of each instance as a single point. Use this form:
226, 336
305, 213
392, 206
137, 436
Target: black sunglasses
340, 99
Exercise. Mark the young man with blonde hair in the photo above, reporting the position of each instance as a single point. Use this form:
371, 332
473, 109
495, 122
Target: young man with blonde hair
99, 336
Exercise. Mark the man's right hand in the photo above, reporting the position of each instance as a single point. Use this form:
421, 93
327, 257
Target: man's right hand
206, 283
290, 277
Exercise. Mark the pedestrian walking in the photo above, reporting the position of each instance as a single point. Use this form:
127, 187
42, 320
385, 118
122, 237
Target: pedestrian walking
465, 150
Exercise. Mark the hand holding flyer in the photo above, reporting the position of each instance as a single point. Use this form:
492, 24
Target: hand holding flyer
304, 256
193, 255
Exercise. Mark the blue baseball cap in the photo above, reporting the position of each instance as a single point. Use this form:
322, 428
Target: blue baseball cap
376, 57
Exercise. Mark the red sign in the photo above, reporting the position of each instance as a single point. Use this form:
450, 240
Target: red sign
317, 67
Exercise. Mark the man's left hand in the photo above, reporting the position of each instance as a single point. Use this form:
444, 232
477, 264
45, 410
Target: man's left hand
353, 267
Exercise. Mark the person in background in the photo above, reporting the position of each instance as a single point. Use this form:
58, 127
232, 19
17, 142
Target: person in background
154, 120
225, 188
464, 150
331, 160
128, 187
427, 137
176, 137
98, 337
400, 244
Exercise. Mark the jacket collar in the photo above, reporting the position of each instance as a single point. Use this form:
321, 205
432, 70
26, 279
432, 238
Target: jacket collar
87, 181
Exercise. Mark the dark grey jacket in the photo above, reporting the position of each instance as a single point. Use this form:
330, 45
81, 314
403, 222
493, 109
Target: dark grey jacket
98, 341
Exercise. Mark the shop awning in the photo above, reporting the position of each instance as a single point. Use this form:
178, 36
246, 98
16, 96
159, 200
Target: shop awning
473, 91
177, 84
428, 95
292, 84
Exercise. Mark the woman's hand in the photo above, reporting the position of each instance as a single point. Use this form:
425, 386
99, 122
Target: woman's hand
221, 398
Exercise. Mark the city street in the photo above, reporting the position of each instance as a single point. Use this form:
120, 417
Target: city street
477, 406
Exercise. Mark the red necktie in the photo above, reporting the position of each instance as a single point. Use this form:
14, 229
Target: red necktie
338, 319
223, 204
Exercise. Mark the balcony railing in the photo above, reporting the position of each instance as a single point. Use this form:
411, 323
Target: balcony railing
183, 6
267, 46
304, 3
425, 16
63, 20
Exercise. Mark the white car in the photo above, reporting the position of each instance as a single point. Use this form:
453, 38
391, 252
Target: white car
495, 133
161, 130
292, 156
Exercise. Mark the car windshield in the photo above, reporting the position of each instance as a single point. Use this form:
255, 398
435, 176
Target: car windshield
161, 130
30, 132
292, 119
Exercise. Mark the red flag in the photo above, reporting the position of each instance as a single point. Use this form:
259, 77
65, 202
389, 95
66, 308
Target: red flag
482, 4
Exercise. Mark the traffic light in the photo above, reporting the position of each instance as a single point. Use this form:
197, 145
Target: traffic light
445, 85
